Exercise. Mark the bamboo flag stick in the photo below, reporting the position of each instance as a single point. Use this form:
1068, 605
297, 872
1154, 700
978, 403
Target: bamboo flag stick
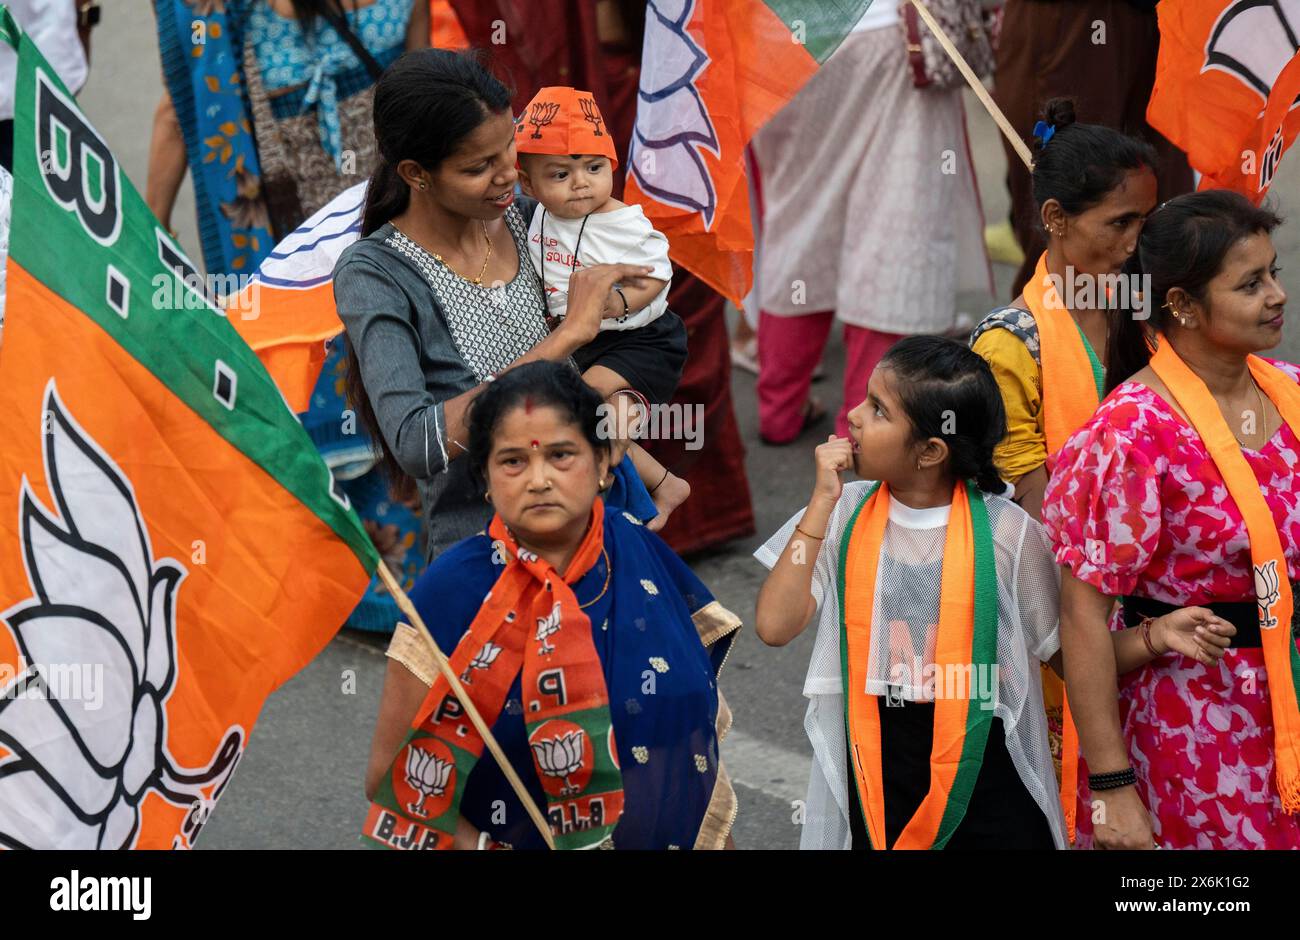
976, 85
444, 667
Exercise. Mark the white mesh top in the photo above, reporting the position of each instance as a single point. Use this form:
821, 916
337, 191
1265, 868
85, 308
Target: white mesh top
903, 636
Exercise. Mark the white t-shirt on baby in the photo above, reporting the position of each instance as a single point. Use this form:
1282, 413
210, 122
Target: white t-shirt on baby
623, 236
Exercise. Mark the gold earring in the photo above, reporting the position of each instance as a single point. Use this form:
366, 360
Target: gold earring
423, 185
487, 497
918, 465
601, 485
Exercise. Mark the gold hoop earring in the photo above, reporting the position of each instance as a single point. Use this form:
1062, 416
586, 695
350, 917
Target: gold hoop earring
487, 497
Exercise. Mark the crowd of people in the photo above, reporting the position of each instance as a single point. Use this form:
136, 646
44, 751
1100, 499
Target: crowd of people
1053, 606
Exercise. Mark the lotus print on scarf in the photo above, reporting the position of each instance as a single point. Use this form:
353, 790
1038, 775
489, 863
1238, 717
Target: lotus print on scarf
428, 775
561, 757
99, 598
672, 122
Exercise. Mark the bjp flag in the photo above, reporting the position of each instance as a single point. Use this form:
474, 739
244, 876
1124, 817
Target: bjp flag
1227, 88
172, 549
712, 72
286, 312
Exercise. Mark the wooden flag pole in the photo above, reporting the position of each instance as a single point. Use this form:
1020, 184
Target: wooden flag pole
976, 85
444, 667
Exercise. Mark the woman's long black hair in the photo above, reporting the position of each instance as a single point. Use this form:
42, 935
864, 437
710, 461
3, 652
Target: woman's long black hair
541, 384
1182, 244
426, 104
948, 391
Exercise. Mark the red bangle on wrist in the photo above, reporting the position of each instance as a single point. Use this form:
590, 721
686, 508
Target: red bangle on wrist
1144, 628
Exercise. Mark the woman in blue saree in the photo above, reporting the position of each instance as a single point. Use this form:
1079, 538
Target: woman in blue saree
649, 643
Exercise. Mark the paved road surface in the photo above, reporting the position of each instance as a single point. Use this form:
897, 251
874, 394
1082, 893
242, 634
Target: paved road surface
300, 781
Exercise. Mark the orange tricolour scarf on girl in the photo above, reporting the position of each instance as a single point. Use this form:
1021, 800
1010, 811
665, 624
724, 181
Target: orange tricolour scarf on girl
1070, 397
967, 639
1272, 584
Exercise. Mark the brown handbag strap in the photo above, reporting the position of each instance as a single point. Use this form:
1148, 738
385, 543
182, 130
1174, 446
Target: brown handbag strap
915, 57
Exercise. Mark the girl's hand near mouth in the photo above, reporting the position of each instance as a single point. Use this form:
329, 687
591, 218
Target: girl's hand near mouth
832, 458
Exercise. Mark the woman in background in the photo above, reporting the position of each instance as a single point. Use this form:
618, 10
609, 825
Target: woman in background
268, 104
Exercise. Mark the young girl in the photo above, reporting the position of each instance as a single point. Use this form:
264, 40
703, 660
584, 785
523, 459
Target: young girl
935, 603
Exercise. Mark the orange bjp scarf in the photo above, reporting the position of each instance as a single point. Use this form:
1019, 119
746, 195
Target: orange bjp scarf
1071, 394
967, 639
530, 625
1273, 593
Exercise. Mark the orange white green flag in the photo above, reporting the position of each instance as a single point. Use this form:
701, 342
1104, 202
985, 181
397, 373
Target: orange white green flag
712, 73
172, 548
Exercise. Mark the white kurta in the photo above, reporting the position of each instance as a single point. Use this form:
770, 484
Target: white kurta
906, 607
869, 199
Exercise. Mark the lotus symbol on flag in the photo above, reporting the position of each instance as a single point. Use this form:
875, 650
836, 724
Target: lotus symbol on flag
76, 775
1266, 593
545, 627
672, 123
561, 756
484, 658
1253, 41
427, 774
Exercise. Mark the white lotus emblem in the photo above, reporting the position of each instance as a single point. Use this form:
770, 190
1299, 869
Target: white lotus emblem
561, 756
76, 776
546, 626
1254, 41
427, 774
672, 123
484, 658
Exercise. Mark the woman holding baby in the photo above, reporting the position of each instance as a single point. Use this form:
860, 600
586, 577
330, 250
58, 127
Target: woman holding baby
439, 295
454, 352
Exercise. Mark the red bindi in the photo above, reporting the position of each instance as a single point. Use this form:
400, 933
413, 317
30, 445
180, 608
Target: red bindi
535, 445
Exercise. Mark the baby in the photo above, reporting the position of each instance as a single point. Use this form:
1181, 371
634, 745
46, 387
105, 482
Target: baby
566, 163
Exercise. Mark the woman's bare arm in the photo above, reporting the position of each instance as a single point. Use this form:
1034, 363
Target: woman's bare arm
417, 30
1092, 686
167, 161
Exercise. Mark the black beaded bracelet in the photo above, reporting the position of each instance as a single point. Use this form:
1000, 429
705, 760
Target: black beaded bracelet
1112, 780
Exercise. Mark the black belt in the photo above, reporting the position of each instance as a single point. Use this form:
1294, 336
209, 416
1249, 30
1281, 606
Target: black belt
1244, 615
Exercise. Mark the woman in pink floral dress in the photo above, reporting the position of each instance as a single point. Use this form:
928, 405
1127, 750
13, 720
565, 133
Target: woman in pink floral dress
1137, 510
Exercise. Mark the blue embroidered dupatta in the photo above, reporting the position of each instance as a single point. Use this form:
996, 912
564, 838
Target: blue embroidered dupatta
662, 640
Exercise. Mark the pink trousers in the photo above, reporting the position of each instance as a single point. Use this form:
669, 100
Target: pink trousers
789, 348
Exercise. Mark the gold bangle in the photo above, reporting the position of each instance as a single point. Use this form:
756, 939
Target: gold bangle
809, 535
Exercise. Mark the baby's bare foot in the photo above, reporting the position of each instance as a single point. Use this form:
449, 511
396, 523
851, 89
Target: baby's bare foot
668, 495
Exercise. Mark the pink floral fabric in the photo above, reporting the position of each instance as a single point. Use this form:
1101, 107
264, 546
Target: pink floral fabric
1137, 506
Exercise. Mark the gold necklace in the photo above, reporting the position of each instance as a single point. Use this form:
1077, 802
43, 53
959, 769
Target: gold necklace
609, 569
1263, 416
478, 281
